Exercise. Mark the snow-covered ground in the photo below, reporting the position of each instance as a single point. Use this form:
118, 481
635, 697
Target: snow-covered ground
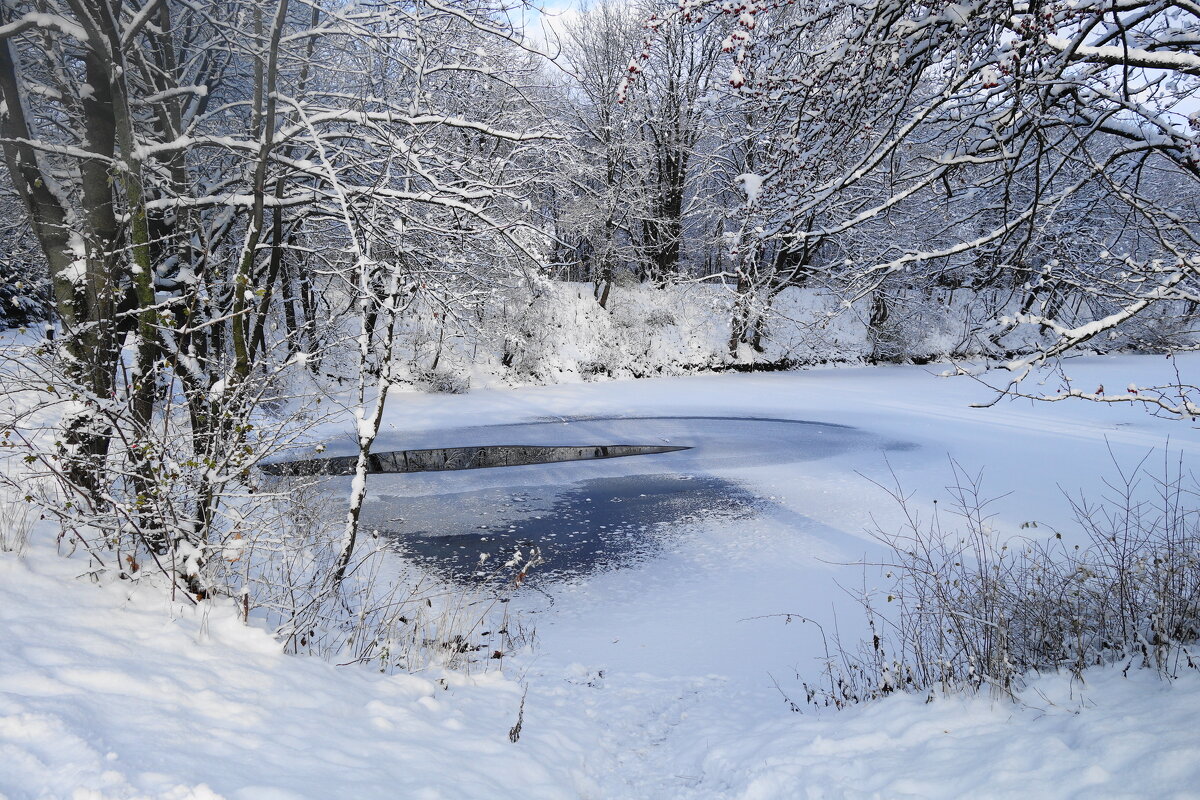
665, 678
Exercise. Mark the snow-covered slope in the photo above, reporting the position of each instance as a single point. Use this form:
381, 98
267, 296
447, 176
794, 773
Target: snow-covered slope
116, 692
1114, 737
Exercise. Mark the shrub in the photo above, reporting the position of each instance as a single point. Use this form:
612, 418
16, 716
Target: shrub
1162, 329
16, 520
916, 327
660, 318
590, 370
443, 381
966, 608
386, 613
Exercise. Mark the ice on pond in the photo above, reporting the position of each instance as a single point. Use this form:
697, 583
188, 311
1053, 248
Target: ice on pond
587, 515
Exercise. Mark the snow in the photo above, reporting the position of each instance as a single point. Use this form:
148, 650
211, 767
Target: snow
76, 271
115, 692
751, 184
1115, 737
664, 679
50, 21
1133, 56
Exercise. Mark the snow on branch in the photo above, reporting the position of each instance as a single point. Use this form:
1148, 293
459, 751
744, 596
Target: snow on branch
45, 21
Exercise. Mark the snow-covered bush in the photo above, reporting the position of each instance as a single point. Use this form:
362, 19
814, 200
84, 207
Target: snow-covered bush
963, 608
381, 614
443, 381
531, 329
660, 318
560, 332
918, 327
589, 370
932, 323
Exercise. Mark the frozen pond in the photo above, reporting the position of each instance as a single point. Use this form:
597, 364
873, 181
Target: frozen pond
586, 515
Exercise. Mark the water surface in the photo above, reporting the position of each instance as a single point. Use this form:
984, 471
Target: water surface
585, 515
598, 524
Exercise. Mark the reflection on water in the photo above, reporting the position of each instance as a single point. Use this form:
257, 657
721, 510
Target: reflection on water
583, 527
452, 459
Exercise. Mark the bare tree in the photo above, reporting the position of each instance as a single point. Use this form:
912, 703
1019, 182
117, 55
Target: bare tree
1010, 116
193, 181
